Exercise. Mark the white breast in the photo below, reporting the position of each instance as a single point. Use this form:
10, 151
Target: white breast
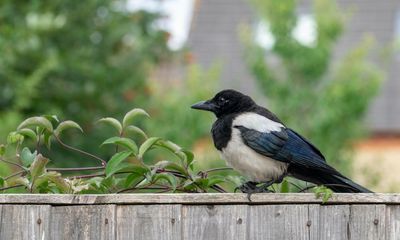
257, 167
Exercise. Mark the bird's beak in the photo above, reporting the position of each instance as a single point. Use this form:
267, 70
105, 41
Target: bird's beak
204, 105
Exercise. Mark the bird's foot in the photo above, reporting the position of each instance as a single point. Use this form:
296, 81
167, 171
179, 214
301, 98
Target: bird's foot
251, 187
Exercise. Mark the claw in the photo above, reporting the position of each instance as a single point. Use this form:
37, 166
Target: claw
251, 187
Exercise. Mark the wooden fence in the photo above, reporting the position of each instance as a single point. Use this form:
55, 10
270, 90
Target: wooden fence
200, 216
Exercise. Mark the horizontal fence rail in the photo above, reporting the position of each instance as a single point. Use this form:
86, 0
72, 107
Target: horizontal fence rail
199, 216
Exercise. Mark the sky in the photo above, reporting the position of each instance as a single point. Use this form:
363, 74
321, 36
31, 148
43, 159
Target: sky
178, 17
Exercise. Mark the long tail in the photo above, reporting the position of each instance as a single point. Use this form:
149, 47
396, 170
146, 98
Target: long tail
341, 184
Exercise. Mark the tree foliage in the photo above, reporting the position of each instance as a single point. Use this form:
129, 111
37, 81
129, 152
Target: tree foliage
324, 100
75, 59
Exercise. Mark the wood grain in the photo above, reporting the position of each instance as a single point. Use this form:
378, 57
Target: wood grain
143, 222
214, 222
271, 222
367, 222
203, 198
83, 222
393, 222
329, 221
200, 216
24, 222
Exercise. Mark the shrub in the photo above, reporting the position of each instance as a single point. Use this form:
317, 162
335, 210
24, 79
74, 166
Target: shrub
128, 169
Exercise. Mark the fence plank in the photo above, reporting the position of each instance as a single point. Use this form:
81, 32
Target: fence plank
215, 216
83, 222
367, 222
329, 221
392, 222
200, 199
271, 222
214, 222
24, 222
144, 222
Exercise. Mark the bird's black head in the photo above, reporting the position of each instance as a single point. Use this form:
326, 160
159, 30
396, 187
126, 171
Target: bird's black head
226, 102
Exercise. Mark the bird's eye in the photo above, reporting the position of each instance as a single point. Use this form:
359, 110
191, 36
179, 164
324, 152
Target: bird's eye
222, 101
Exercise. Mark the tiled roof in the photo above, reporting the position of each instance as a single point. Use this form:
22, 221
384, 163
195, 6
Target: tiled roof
214, 37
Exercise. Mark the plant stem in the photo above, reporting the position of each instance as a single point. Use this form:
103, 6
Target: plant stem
15, 174
134, 189
103, 162
175, 173
88, 175
15, 186
218, 188
96, 175
75, 169
12, 163
326, 185
218, 169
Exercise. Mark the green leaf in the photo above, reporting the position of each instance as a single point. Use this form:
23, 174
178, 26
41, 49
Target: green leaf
131, 178
147, 145
95, 181
27, 132
27, 157
236, 180
285, 186
173, 148
189, 185
14, 137
2, 150
108, 182
114, 165
125, 142
324, 192
176, 167
47, 139
135, 129
138, 169
52, 118
128, 118
166, 176
189, 156
112, 122
37, 122
2, 182
17, 181
38, 166
328, 194
55, 178
202, 182
65, 125
212, 180
146, 181
161, 164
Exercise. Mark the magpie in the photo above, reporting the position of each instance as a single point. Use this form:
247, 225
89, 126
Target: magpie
253, 141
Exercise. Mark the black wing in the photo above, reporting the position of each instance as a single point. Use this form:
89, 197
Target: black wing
316, 150
267, 144
286, 146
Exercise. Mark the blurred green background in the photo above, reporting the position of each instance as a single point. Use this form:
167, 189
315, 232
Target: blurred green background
84, 60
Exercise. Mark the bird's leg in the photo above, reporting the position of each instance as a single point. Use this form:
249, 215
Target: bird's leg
251, 187
265, 186
248, 187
